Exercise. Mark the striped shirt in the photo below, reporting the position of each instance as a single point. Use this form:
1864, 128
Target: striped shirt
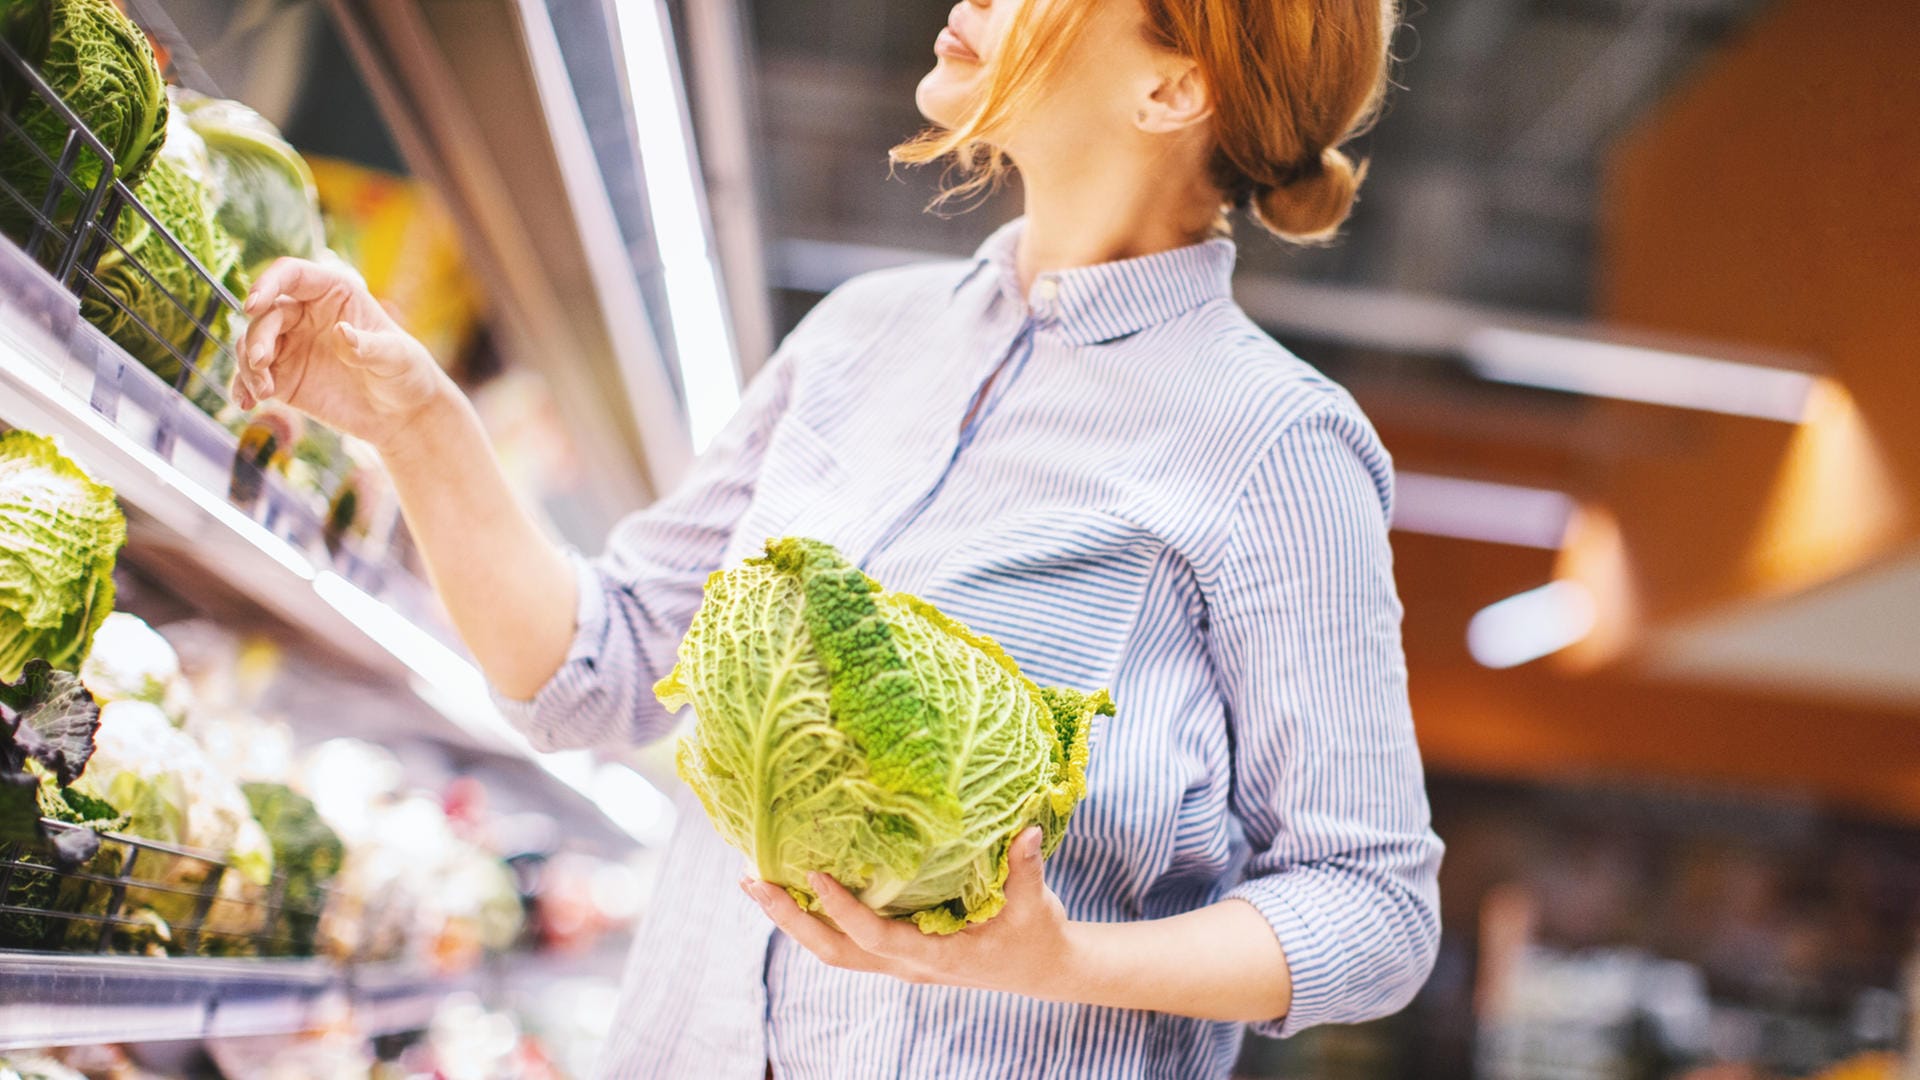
1152, 496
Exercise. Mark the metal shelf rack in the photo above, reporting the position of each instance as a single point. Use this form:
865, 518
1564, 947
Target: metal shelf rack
60, 1000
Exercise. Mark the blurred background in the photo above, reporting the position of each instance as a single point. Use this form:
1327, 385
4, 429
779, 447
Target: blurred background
1630, 294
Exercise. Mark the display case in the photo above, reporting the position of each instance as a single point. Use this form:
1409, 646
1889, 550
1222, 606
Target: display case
117, 339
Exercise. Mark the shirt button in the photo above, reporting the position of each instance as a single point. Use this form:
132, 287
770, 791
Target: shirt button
1046, 288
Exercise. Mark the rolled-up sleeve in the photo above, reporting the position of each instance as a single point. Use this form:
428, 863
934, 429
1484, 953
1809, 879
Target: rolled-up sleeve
638, 598
1305, 633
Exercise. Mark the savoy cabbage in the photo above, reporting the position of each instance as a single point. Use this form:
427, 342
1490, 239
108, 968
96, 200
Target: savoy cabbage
843, 728
60, 534
147, 296
104, 68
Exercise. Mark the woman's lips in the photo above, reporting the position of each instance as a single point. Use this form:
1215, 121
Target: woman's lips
949, 45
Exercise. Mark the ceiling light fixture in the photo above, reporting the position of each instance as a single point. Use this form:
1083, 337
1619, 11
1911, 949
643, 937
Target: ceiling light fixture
703, 339
1536, 623
1634, 373
1480, 510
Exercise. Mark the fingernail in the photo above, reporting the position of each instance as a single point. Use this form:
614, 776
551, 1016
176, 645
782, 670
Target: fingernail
352, 335
818, 880
283, 301
253, 303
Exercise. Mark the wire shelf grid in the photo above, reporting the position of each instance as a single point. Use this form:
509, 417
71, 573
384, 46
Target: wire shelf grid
75, 216
118, 902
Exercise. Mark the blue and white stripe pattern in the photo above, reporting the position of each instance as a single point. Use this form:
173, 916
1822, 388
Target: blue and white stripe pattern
1154, 497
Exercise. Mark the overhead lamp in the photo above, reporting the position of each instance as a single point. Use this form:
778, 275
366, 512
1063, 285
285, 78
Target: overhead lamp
1634, 373
1481, 510
703, 340
1533, 624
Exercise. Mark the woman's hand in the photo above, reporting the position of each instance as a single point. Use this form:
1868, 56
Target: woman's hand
1023, 949
1219, 962
319, 341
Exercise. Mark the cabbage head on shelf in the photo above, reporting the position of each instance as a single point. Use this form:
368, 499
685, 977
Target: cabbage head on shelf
171, 792
104, 68
149, 298
268, 201
60, 533
844, 728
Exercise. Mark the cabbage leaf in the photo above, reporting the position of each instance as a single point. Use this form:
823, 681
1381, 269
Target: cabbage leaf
104, 68
843, 728
60, 533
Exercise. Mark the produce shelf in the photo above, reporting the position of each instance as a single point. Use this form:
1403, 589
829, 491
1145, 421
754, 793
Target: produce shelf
171, 466
58, 1000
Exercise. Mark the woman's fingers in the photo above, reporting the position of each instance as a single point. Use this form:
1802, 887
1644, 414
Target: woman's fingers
298, 278
867, 929
261, 343
817, 937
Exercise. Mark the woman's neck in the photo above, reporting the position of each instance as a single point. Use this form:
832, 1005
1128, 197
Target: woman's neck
1087, 216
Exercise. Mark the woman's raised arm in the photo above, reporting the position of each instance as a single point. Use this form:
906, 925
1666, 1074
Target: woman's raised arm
320, 342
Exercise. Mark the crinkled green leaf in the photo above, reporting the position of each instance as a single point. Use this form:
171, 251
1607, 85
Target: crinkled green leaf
847, 729
104, 69
51, 718
47, 727
60, 533
150, 299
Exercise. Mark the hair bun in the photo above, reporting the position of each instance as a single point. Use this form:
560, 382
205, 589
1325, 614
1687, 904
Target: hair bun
1312, 205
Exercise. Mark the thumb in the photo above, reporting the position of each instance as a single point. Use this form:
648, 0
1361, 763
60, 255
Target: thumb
1026, 874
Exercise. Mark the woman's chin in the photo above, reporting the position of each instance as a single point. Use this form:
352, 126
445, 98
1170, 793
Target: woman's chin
942, 98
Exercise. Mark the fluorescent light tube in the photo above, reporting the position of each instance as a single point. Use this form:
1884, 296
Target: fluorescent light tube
1479, 510
1533, 624
702, 339
1633, 373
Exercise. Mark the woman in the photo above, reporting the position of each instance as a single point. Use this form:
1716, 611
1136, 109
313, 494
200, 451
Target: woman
1076, 442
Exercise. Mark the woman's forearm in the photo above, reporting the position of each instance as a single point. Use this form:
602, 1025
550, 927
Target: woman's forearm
508, 588
1221, 962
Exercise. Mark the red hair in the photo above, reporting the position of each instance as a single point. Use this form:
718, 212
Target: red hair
1290, 81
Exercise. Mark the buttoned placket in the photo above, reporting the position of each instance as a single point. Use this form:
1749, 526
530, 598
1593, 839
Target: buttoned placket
996, 384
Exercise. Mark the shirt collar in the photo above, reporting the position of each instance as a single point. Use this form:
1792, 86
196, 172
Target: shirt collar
1088, 305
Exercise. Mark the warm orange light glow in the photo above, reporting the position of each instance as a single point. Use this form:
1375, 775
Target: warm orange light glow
1596, 555
1835, 505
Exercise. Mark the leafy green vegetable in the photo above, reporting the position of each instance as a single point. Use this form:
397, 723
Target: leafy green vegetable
130, 661
173, 793
103, 67
149, 298
308, 855
268, 201
47, 727
860, 732
59, 536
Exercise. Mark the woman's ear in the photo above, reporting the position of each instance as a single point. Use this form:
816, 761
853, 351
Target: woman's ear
1177, 101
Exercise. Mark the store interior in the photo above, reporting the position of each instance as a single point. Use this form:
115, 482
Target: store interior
1627, 294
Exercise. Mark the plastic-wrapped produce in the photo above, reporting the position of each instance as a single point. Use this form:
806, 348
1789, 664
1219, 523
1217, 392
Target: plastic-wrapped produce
131, 661
412, 889
160, 779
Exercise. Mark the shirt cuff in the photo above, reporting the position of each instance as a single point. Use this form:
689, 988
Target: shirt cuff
1315, 963
590, 626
